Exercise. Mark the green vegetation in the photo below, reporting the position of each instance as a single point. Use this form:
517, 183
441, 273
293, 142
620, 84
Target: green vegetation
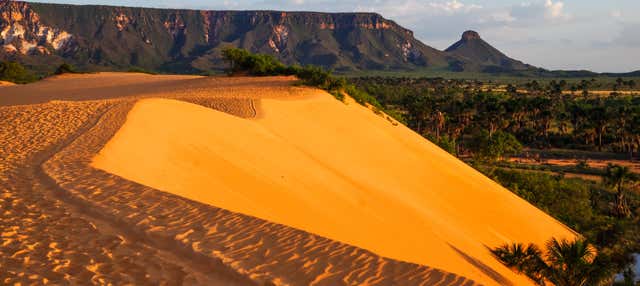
586, 206
65, 68
242, 61
539, 116
245, 63
489, 147
444, 142
600, 81
141, 70
487, 122
565, 263
579, 168
15, 72
618, 177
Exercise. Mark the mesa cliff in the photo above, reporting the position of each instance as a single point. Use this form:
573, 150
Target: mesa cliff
187, 40
98, 38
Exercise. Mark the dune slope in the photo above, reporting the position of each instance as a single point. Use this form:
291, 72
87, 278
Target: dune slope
335, 170
69, 223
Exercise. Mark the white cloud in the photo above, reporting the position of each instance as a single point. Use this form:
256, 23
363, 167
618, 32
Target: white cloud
499, 16
617, 14
416, 8
555, 10
453, 6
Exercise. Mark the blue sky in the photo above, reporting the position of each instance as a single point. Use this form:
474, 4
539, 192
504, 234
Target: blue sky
599, 35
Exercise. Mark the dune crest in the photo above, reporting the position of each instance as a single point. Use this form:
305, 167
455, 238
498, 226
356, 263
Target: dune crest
335, 170
69, 223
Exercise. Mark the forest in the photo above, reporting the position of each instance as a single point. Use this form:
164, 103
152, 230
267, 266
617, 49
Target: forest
456, 113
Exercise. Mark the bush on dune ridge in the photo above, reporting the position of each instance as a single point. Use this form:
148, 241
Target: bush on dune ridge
65, 68
243, 62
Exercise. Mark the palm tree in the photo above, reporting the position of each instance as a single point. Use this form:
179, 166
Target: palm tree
526, 259
565, 263
600, 120
617, 177
575, 263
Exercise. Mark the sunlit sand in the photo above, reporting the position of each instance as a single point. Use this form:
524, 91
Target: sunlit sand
333, 169
66, 222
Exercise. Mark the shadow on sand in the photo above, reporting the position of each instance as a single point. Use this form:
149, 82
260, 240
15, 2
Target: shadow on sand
486, 269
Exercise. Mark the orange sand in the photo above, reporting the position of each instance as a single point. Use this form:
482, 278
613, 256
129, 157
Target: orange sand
69, 223
333, 169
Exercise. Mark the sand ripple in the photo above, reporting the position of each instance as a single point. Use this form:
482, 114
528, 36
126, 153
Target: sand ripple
63, 221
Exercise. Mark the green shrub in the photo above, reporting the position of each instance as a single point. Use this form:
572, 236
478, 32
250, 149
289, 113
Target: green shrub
237, 59
444, 142
362, 97
491, 147
15, 72
241, 61
65, 68
567, 199
315, 76
140, 70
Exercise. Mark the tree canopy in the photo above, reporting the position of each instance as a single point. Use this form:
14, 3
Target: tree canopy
491, 147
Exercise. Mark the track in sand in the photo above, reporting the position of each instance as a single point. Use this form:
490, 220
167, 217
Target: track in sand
63, 221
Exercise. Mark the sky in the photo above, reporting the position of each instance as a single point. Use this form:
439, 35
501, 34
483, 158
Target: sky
597, 35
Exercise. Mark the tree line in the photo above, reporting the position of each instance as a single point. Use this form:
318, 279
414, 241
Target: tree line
456, 113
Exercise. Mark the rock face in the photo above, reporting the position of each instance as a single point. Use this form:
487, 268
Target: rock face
476, 54
103, 37
470, 36
21, 31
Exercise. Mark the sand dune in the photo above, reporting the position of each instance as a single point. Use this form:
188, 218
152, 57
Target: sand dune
46, 241
105, 86
335, 170
64, 222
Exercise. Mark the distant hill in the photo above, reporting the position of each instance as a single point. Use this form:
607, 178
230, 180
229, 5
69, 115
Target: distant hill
483, 56
629, 74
